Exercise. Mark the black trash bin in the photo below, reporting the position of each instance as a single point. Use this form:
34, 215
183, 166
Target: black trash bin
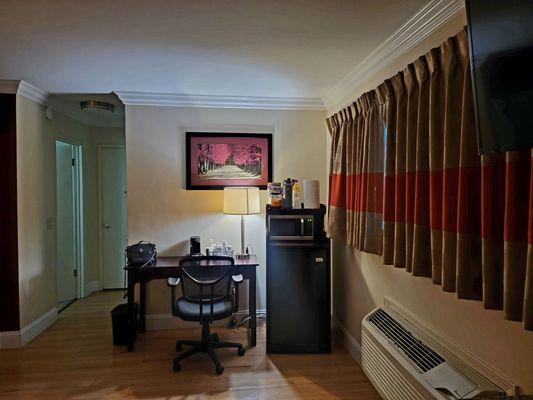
119, 319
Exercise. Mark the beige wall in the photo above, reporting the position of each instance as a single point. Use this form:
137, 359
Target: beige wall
361, 281
37, 198
162, 211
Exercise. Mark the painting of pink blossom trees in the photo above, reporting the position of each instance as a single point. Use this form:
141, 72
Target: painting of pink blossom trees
218, 160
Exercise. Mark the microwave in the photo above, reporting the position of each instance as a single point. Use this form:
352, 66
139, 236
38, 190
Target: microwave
291, 227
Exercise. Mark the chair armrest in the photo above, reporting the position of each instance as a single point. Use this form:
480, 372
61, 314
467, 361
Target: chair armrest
237, 280
173, 281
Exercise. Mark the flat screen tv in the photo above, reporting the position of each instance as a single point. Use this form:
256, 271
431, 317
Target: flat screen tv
501, 59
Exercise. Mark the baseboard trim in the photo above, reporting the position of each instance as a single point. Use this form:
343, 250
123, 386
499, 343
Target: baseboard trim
348, 341
158, 322
18, 339
34, 329
91, 287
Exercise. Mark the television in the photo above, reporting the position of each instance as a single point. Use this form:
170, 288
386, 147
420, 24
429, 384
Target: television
501, 58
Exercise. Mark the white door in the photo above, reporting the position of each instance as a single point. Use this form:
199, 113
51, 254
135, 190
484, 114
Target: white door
66, 224
113, 224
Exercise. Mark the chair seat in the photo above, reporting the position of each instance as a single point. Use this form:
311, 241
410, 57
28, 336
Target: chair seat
191, 311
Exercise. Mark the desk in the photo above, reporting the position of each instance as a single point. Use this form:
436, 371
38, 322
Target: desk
165, 268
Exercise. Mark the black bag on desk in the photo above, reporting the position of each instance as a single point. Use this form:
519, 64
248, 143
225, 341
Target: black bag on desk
141, 253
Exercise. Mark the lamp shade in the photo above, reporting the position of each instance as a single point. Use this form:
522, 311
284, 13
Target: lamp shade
241, 200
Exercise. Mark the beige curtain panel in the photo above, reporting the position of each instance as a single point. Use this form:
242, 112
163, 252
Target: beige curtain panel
406, 183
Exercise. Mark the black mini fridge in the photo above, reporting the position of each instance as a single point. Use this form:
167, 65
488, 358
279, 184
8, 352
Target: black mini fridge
298, 282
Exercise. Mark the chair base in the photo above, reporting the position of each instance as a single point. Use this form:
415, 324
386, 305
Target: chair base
208, 344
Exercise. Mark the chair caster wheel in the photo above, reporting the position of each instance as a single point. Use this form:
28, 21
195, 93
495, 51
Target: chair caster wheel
215, 338
241, 351
176, 367
178, 347
219, 368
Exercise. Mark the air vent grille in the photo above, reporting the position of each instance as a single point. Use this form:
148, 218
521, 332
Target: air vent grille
423, 357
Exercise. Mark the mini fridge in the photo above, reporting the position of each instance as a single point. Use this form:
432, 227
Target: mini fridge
298, 281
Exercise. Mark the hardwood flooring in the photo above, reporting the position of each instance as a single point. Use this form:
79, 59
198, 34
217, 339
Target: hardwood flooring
75, 359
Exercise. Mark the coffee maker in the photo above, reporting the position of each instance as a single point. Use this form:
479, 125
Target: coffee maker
195, 248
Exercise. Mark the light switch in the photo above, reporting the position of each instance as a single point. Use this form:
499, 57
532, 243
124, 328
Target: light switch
49, 223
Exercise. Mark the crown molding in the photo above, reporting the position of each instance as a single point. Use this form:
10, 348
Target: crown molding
426, 21
247, 102
33, 93
39, 96
25, 89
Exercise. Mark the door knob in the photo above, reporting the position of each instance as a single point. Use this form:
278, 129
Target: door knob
107, 226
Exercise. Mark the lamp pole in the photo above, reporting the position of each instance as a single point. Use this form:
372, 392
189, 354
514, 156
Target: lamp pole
242, 234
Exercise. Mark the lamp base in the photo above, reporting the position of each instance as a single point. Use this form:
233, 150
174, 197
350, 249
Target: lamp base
242, 256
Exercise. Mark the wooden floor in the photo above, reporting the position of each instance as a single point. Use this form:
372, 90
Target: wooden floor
75, 359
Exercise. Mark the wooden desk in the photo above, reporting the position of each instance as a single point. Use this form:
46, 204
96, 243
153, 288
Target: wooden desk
165, 268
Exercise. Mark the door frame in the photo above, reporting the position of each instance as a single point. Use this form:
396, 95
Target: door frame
79, 213
101, 208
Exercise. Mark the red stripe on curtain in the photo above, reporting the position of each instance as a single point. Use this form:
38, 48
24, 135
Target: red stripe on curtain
389, 190
474, 183
469, 201
436, 199
368, 189
493, 204
337, 190
517, 206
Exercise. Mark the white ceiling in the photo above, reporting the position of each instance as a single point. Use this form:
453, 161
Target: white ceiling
267, 48
69, 104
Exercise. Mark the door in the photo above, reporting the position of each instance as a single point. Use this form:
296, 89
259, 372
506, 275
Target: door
66, 223
113, 223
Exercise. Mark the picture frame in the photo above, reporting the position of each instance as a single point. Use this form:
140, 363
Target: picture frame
217, 160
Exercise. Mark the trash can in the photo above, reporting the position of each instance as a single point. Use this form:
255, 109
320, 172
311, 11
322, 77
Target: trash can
119, 320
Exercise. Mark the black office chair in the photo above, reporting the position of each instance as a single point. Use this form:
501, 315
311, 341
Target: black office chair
209, 288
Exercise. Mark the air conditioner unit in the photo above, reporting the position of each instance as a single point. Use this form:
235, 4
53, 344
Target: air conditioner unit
404, 364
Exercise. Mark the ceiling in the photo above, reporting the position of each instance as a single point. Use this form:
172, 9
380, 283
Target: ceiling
274, 48
69, 104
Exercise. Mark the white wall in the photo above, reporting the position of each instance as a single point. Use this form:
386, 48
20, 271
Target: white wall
361, 281
162, 211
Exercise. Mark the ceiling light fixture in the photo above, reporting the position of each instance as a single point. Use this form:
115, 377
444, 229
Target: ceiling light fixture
102, 105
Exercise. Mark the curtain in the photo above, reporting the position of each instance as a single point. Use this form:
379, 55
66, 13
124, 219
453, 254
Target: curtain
407, 183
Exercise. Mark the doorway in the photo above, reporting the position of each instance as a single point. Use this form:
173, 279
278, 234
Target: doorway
69, 217
113, 234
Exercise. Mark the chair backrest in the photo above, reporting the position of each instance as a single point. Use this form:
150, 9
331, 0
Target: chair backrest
206, 279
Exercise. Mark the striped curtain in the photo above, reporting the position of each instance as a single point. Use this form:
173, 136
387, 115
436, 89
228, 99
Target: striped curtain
407, 183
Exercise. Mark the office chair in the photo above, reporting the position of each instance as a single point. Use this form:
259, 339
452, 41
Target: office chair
209, 287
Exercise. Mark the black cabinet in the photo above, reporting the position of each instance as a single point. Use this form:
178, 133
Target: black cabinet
298, 296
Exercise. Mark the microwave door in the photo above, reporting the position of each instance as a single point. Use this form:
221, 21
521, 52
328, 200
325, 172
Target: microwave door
290, 228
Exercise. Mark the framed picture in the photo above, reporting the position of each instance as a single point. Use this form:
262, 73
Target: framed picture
216, 160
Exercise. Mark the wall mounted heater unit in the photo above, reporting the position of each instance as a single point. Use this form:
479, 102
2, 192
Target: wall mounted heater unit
404, 365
